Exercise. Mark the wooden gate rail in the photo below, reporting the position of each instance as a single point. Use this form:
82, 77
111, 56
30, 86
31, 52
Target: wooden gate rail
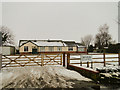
25, 60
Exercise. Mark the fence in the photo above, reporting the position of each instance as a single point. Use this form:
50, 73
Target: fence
96, 59
31, 60
54, 59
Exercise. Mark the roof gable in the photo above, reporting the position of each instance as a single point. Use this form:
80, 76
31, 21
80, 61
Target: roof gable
26, 43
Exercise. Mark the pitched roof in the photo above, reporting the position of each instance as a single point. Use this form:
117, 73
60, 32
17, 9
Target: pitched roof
50, 43
70, 43
79, 45
43, 42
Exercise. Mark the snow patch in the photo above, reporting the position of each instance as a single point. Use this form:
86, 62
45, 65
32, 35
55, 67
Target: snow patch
40, 77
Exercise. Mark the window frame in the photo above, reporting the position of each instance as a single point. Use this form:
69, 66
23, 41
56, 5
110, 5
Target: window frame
51, 48
70, 48
59, 48
42, 49
82, 49
26, 49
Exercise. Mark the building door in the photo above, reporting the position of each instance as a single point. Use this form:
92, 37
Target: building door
34, 51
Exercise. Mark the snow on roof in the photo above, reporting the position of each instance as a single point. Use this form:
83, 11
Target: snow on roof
44, 42
51, 43
80, 46
39, 43
8, 44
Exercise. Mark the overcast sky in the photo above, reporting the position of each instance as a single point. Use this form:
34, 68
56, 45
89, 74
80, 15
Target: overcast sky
0, 13
67, 21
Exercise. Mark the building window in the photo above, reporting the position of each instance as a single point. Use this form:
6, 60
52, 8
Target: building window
81, 49
70, 48
51, 48
42, 48
59, 48
25, 48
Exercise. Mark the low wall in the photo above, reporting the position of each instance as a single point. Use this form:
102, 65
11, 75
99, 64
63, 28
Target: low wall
94, 75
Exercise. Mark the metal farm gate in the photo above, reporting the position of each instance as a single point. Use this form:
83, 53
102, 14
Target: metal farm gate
31, 60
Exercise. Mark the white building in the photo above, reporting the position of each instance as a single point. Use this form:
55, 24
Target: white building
8, 50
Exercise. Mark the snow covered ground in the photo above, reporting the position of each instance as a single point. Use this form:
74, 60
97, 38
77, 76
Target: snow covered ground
51, 76
42, 77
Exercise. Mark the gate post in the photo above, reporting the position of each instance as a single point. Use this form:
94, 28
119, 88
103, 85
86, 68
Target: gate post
119, 58
68, 59
88, 64
104, 59
63, 59
42, 59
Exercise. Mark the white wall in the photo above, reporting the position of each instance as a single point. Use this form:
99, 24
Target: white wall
5, 50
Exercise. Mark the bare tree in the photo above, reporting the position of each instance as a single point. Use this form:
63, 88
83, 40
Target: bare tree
7, 36
87, 40
103, 38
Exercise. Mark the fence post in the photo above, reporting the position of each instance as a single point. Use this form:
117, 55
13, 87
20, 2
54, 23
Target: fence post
87, 61
63, 59
91, 64
68, 59
88, 64
42, 59
80, 63
119, 58
104, 59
